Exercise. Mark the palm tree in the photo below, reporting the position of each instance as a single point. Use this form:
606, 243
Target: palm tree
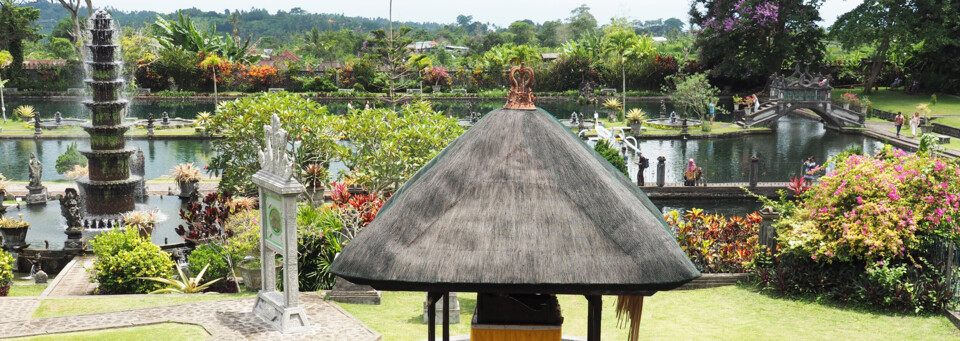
621, 44
213, 61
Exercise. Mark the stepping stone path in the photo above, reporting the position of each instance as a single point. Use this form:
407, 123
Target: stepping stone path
229, 319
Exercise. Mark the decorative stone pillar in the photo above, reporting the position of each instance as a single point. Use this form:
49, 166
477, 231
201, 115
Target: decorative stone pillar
165, 119
70, 209
768, 235
58, 118
36, 126
754, 171
150, 125
661, 171
278, 233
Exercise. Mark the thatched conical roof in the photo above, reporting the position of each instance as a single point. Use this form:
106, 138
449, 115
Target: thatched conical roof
518, 204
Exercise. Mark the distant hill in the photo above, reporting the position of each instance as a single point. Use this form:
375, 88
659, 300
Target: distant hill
258, 22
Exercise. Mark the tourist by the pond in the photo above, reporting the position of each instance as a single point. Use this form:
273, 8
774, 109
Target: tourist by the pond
756, 103
625, 155
690, 175
808, 171
898, 122
366, 106
350, 106
914, 123
642, 164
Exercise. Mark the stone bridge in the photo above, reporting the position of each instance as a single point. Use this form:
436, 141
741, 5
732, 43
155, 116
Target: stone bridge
801, 90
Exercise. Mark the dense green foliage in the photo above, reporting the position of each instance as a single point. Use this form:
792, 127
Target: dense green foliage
123, 257
6, 271
17, 26
70, 158
241, 122
612, 155
318, 241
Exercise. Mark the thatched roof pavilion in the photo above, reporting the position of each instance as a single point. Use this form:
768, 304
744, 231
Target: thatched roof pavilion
518, 204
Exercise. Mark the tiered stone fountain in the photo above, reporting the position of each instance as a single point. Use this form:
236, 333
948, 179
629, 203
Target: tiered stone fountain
109, 190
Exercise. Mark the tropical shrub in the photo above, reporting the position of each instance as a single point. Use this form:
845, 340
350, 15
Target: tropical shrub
205, 221
185, 285
611, 155
388, 146
212, 258
185, 172
318, 241
871, 232
6, 272
716, 243
124, 258
70, 158
246, 235
876, 209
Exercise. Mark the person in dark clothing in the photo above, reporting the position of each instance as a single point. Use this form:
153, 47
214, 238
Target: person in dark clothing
642, 164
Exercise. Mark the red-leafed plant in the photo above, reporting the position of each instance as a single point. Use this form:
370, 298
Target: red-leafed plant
796, 185
205, 220
716, 243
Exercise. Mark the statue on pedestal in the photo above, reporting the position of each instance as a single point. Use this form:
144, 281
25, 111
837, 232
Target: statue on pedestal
70, 209
37, 192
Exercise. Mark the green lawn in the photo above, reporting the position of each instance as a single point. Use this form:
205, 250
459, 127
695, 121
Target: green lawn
949, 121
905, 131
77, 306
894, 101
729, 313
161, 331
26, 289
718, 128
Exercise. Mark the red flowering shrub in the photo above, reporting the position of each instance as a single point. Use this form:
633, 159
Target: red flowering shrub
716, 243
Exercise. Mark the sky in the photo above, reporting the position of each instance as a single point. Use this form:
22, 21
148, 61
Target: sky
498, 12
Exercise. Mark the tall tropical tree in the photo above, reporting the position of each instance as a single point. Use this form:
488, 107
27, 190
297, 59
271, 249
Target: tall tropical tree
5, 59
748, 40
212, 62
884, 25
16, 25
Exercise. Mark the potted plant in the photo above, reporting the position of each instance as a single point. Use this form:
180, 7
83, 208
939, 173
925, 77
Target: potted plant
6, 272
925, 125
846, 99
203, 119
14, 232
613, 107
187, 176
439, 76
865, 104
143, 221
314, 176
737, 100
635, 119
748, 103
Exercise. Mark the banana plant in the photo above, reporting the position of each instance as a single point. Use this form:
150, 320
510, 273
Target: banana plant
184, 285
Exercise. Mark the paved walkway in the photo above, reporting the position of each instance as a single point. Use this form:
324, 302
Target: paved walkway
73, 280
881, 130
229, 319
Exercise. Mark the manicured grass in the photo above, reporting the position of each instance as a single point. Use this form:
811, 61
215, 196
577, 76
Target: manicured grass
948, 121
905, 132
728, 313
894, 101
26, 289
718, 128
161, 331
77, 306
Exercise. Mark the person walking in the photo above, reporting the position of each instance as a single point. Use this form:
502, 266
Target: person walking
914, 123
626, 156
713, 110
690, 175
642, 164
898, 122
808, 167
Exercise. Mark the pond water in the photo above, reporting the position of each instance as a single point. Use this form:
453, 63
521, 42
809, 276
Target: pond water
46, 223
160, 155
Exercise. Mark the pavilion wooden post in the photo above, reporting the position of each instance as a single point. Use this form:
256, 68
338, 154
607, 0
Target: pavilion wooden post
446, 316
432, 298
594, 308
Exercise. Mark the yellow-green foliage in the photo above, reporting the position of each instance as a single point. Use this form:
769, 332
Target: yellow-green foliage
6, 268
123, 257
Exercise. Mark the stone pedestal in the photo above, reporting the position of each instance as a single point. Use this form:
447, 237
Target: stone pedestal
271, 308
37, 195
754, 171
347, 292
454, 311
661, 171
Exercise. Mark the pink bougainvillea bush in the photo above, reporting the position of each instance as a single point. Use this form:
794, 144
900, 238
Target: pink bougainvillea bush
877, 209
873, 232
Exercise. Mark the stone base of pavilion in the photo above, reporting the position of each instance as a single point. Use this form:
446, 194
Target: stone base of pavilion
230, 319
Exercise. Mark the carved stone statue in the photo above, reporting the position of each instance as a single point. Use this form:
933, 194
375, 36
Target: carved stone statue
36, 170
70, 209
165, 120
